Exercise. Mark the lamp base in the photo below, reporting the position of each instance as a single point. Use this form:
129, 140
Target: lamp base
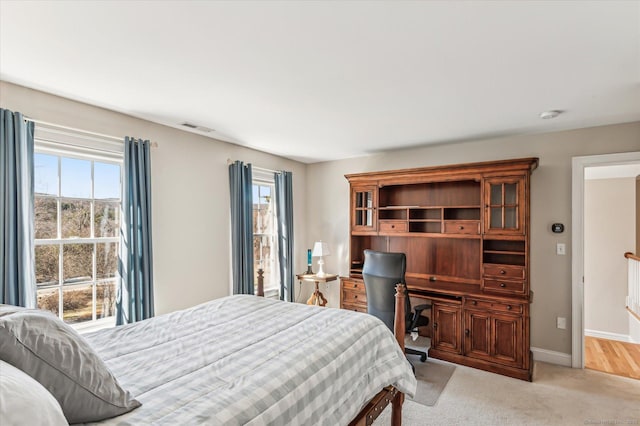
320, 272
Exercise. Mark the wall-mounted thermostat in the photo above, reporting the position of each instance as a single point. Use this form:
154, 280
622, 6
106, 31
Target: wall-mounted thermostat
557, 228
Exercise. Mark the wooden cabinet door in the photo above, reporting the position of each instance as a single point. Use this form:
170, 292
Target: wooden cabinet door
506, 339
446, 327
504, 200
494, 336
364, 203
477, 334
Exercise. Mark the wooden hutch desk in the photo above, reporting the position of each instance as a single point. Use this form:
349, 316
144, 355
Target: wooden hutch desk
465, 231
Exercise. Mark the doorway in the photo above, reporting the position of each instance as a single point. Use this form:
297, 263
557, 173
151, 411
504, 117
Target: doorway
581, 167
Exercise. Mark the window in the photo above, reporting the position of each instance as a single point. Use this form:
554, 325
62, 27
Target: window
265, 235
77, 223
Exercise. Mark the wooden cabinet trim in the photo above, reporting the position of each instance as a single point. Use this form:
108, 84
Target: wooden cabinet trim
500, 166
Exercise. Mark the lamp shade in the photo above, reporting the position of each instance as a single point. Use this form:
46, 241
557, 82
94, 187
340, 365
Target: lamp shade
321, 249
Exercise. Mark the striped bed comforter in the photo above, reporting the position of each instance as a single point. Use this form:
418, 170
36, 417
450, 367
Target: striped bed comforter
249, 360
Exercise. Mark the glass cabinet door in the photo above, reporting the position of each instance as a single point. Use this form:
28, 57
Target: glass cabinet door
363, 201
504, 203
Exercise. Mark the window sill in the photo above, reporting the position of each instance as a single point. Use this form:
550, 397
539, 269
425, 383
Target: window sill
272, 293
91, 326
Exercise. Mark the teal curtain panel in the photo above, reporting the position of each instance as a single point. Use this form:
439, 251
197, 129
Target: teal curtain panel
135, 293
284, 215
17, 258
240, 189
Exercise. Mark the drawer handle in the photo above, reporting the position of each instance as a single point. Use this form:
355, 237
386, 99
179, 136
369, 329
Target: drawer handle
461, 227
502, 272
393, 226
466, 332
435, 325
355, 296
473, 302
503, 285
508, 307
432, 278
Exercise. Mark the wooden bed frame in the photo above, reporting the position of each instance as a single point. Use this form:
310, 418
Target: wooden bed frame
389, 394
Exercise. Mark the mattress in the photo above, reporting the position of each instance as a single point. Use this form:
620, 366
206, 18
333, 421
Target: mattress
248, 360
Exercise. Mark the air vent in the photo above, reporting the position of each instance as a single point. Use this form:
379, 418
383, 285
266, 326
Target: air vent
198, 128
547, 115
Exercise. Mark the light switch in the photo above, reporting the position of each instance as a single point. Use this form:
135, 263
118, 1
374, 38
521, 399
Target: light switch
561, 323
561, 249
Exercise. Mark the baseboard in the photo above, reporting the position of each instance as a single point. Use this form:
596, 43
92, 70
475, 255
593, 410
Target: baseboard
610, 336
551, 357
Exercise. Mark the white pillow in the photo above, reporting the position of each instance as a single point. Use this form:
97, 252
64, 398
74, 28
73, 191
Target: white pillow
40, 344
24, 401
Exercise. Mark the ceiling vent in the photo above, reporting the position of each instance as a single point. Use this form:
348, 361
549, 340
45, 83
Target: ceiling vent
547, 115
196, 127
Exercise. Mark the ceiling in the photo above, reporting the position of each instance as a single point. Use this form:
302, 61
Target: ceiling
324, 80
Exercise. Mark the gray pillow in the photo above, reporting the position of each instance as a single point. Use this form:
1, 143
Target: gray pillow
53, 353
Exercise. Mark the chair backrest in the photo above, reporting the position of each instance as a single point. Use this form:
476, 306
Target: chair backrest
381, 272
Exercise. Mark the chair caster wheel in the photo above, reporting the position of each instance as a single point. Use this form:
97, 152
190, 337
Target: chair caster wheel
423, 358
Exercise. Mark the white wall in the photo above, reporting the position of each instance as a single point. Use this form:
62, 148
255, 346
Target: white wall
191, 207
609, 232
190, 184
637, 215
550, 199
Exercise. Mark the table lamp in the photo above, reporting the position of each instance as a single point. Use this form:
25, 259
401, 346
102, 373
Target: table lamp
321, 249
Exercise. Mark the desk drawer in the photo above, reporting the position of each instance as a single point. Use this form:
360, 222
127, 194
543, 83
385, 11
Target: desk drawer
514, 308
504, 271
351, 297
357, 308
357, 286
503, 286
471, 227
393, 226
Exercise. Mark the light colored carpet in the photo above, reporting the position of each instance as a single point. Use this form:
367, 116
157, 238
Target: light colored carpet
432, 376
557, 396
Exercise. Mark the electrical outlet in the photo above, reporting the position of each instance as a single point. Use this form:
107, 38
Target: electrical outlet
561, 323
561, 249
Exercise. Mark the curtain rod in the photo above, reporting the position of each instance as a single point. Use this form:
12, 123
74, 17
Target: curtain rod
74, 129
262, 169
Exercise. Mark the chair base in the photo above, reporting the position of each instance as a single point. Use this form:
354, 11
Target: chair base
423, 354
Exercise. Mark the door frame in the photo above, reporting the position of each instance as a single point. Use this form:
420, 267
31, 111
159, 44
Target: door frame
579, 164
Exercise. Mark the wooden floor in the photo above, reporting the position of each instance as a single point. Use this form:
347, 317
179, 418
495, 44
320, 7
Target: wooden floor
611, 356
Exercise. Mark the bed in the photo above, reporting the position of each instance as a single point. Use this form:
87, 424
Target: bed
249, 360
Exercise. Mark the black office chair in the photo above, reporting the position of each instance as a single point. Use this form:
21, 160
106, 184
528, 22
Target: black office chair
381, 272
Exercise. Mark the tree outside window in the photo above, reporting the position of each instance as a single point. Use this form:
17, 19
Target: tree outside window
77, 218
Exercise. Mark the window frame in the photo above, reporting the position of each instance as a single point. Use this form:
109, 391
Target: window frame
260, 178
48, 147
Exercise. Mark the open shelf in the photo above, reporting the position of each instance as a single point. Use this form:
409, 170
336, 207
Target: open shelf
447, 194
506, 252
427, 226
389, 213
425, 213
462, 213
